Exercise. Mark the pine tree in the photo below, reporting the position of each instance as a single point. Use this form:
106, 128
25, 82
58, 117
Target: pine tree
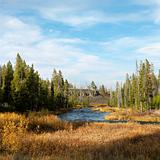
148, 85
137, 96
43, 100
58, 82
127, 92
1, 98
158, 82
133, 91
32, 86
140, 91
111, 98
52, 96
118, 95
93, 87
142, 85
102, 90
7, 78
66, 93
18, 87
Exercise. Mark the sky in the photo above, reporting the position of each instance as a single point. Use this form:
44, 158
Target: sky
87, 40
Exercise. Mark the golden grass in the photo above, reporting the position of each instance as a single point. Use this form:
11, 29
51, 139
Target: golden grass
79, 141
104, 108
128, 114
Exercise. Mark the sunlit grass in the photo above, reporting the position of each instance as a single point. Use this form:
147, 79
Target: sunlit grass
128, 114
133, 116
48, 138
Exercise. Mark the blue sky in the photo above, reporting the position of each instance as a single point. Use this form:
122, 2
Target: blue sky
86, 39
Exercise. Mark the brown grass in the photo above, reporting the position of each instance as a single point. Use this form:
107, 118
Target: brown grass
134, 116
104, 108
128, 114
81, 141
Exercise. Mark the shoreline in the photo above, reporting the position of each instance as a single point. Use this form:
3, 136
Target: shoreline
122, 114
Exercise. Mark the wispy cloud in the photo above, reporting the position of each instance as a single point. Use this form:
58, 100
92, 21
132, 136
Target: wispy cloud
153, 8
79, 13
152, 49
128, 50
86, 39
89, 17
47, 53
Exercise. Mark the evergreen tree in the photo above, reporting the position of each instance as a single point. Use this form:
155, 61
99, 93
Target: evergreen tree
58, 82
32, 86
43, 100
111, 103
93, 87
19, 88
133, 91
23, 89
102, 90
140, 91
118, 95
142, 85
7, 77
158, 83
66, 93
51, 100
127, 91
1, 87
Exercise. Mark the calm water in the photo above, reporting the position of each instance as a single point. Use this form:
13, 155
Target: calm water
84, 115
88, 115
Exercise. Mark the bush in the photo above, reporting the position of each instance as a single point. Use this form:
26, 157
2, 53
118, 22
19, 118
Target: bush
12, 133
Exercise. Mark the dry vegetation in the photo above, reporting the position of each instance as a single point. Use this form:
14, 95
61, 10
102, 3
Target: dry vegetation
46, 137
134, 116
129, 114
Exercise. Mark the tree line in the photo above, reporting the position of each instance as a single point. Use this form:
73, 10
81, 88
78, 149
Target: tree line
140, 91
22, 88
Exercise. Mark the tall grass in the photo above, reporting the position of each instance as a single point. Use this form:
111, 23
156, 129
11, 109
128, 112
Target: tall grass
128, 114
48, 138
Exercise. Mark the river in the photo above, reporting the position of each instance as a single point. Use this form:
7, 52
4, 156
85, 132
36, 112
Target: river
84, 115
88, 115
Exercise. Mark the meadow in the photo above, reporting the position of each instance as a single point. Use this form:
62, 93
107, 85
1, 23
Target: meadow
43, 136
129, 114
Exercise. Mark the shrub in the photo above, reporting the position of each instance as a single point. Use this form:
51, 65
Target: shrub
12, 134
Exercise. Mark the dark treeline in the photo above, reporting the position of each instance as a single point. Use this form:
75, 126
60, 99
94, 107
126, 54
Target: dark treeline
141, 91
22, 89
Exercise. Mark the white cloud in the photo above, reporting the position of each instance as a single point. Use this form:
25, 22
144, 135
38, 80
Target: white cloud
133, 44
79, 18
70, 40
63, 53
153, 9
81, 13
128, 50
48, 53
152, 49
124, 42
146, 2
